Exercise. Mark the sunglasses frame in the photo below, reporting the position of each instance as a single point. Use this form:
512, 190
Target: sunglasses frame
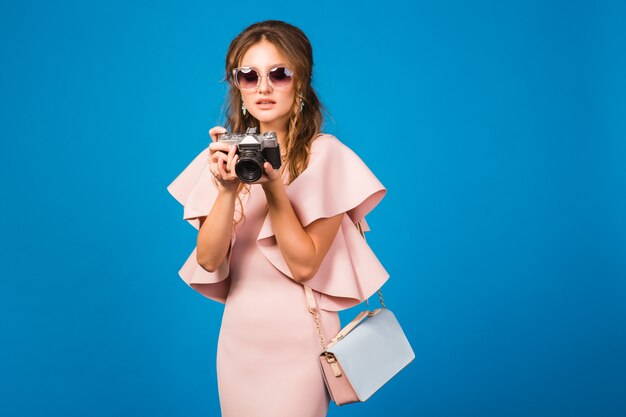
261, 75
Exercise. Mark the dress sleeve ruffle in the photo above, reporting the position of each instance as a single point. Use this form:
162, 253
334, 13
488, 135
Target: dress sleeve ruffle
335, 181
194, 189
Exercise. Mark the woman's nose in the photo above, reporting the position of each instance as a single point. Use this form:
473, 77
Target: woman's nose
264, 84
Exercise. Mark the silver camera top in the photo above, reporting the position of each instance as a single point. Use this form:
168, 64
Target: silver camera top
266, 139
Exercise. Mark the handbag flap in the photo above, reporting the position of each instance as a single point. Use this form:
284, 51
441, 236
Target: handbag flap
351, 326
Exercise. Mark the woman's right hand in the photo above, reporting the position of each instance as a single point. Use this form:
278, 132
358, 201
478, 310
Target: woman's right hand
222, 160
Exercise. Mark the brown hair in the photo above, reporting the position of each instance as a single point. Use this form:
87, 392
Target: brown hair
303, 125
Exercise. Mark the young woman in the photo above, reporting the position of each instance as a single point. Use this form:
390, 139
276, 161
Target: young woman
259, 243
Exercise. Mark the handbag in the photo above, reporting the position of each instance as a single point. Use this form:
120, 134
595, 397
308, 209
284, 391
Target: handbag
363, 355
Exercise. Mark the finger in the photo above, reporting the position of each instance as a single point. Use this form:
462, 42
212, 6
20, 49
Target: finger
232, 149
218, 146
214, 161
218, 166
222, 171
215, 131
219, 151
231, 165
231, 154
269, 170
222, 159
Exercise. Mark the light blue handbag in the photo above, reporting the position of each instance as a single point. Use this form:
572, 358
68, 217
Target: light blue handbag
364, 355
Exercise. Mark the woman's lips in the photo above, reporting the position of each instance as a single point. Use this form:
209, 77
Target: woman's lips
265, 105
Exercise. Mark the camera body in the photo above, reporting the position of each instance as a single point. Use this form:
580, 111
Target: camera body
253, 150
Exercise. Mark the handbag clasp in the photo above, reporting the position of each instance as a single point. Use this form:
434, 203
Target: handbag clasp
332, 361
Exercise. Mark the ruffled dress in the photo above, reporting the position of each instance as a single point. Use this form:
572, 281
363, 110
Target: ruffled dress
267, 354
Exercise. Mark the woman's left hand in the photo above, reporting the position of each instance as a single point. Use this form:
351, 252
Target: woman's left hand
271, 175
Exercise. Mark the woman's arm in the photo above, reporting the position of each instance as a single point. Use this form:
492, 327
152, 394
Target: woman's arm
215, 231
302, 248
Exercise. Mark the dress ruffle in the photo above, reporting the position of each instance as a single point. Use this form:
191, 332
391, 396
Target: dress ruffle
335, 181
194, 189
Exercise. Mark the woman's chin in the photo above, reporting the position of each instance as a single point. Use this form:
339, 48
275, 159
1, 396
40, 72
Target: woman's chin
269, 118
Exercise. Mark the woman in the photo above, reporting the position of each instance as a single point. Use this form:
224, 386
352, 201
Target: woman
259, 242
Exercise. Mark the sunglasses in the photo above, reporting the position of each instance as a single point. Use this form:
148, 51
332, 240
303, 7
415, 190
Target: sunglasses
249, 78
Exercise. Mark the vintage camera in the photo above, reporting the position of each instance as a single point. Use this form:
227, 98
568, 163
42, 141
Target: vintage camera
253, 150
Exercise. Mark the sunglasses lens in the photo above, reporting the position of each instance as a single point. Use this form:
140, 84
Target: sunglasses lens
280, 77
247, 78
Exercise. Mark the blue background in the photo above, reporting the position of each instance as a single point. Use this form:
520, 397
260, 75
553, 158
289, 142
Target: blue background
498, 128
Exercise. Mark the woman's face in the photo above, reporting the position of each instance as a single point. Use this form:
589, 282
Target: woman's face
271, 106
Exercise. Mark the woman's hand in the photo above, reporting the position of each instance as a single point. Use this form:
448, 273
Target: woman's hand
270, 177
222, 160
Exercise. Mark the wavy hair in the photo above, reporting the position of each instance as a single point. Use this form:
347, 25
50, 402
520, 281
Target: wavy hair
303, 126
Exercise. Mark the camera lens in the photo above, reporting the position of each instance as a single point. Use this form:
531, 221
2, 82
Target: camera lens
249, 168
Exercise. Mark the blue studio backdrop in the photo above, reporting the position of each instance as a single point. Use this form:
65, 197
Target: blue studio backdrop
497, 127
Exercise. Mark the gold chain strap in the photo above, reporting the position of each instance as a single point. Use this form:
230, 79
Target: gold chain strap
380, 296
313, 311
319, 328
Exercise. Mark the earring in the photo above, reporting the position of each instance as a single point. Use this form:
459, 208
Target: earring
243, 108
301, 104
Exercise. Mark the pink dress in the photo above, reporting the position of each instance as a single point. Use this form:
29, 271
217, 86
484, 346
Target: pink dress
268, 347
